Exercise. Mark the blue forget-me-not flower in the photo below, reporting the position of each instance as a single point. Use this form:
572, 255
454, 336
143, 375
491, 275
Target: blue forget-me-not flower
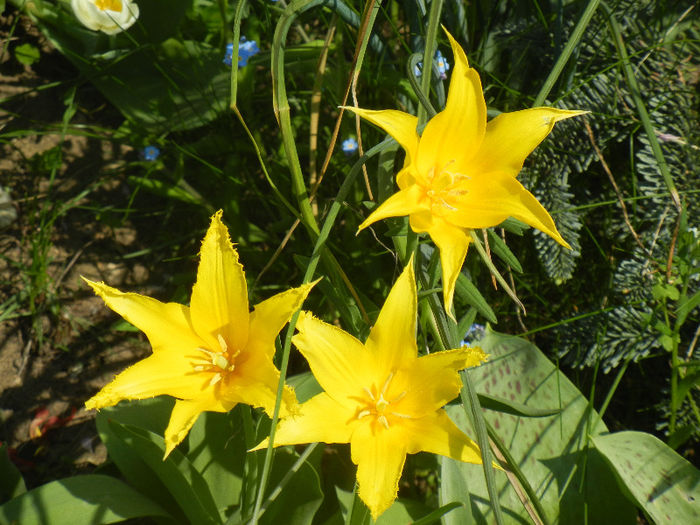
151, 153
349, 146
442, 64
246, 49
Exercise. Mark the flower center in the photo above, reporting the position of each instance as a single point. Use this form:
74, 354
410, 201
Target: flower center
375, 405
218, 363
445, 189
109, 5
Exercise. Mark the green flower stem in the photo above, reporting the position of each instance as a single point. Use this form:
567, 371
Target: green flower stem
428, 53
308, 276
571, 44
447, 337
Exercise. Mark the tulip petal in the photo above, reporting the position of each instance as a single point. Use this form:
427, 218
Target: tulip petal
320, 419
452, 241
432, 380
339, 362
503, 196
254, 382
165, 324
403, 202
379, 458
454, 135
219, 304
392, 340
436, 433
168, 372
270, 316
511, 137
184, 415
401, 126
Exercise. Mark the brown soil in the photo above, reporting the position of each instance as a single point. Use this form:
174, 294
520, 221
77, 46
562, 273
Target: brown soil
57, 347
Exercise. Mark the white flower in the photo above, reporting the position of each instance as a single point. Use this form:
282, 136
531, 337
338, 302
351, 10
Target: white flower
108, 16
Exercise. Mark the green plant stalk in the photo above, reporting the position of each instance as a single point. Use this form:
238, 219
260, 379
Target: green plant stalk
428, 53
571, 44
522, 479
308, 276
237, 17
447, 338
641, 108
492, 268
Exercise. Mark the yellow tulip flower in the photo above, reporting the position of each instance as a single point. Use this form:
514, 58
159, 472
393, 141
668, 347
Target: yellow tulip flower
210, 355
460, 174
380, 396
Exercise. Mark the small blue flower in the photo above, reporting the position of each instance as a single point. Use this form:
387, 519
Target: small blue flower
442, 64
228, 58
475, 332
150, 153
349, 146
246, 49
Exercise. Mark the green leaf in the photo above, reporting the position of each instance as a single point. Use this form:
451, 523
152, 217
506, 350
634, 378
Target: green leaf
500, 248
688, 306
26, 54
217, 450
660, 291
79, 500
299, 499
151, 414
183, 481
551, 451
305, 386
517, 409
454, 488
11, 482
469, 293
664, 485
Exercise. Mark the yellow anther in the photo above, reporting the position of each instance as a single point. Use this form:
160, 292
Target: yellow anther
111, 5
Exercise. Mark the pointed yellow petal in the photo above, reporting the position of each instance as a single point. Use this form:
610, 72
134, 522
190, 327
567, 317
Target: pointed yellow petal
436, 433
403, 202
511, 137
498, 197
271, 315
453, 136
169, 372
432, 381
392, 340
340, 363
184, 415
379, 458
254, 382
320, 419
452, 241
219, 304
401, 126
167, 325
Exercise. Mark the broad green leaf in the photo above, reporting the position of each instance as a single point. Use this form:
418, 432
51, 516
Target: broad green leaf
454, 488
299, 498
217, 450
665, 485
11, 482
305, 386
183, 481
150, 414
401, 511
551, 451
79, 500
